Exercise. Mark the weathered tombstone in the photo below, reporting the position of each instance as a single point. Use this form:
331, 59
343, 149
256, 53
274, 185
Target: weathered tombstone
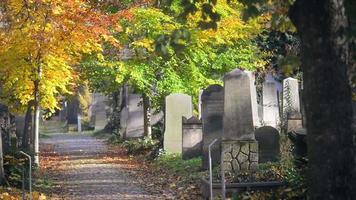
72, 111
192, 137
20, 125
100, 101
212, 119
177, 106
294, 122
132, 114
135, 123
290, 100
268, 144
270, 103
254, 105
124, 115
238, 141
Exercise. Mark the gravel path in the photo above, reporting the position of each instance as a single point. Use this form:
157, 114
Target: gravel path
83, 167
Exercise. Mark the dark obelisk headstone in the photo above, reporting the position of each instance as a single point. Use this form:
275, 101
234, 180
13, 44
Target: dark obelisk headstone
212, 118
268, 144
192, 137
238, 141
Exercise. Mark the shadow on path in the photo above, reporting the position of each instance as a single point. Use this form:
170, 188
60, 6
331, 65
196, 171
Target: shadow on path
81, 166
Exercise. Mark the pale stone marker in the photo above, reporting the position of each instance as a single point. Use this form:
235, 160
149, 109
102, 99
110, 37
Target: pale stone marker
100, 102
192, 138
132, 114
291, 102
238, 141
270, 103
177, 106
268, 144
124, 115
212, 119
254, 105
294, 122
135, 117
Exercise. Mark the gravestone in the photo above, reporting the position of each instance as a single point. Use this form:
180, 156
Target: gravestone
268, 144
100, 102
254, 105
177, 106
270, 103
294, 122
192, 137
20, 125
132, 114
239, 146
135, 123
72, 111
290, 102
124, 115
212, 119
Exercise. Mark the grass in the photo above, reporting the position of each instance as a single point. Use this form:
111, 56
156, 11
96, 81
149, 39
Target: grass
189, 170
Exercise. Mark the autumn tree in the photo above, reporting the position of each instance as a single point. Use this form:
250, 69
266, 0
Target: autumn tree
42, 41
168, 55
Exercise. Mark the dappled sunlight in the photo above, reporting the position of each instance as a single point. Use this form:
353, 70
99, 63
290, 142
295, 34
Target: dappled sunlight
83, 167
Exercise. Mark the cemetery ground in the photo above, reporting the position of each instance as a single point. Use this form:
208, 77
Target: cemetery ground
99, 165
81, 166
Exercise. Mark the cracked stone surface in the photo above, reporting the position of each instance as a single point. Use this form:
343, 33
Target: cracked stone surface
83, 167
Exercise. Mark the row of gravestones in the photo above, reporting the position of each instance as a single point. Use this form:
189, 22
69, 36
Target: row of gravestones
230, 114
131, 113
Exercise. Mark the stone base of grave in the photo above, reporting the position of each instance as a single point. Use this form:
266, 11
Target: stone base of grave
240, 155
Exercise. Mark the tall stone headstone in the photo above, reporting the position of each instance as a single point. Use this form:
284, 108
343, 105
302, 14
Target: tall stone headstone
135, 117
192, 138
294, 122
100, 103
177, 106
212, 119
268, 144
239, 145
124, 115
270, 103
72, 111
290, 101
254, 105
290, 96
20, 125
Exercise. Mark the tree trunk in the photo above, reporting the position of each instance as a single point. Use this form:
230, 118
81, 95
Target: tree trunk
147, 116
27, 127
322, 27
